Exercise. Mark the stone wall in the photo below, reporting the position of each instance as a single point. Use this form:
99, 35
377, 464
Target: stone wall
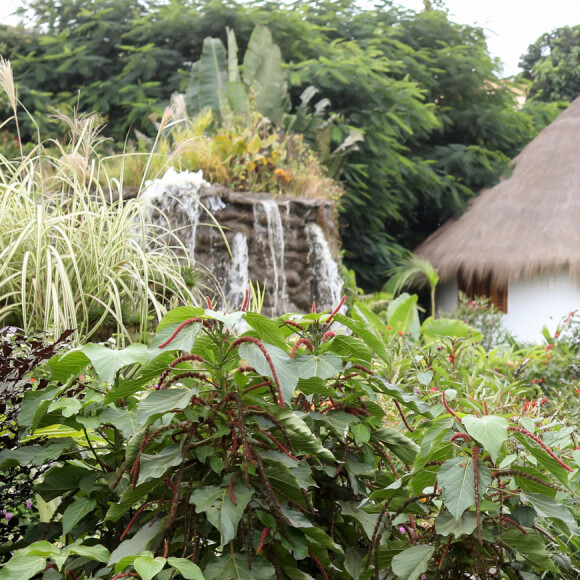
287, 245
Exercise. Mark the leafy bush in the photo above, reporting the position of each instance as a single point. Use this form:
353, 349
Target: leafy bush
293, 451
480, 313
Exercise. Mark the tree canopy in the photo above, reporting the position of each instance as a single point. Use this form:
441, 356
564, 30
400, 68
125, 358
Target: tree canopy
438, 124
553, 66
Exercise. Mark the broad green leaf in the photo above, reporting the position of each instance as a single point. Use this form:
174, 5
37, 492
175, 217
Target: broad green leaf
284, 366
107, 361
183, 341
186, 568
490, 430
323, 366
458, 487
403, 316
70, 364
75, 512
412, 562
446, 524
543, 458
139, 542
367, 521
97, 552
531, 546
126, 420
148, 567
266, 329
302, 438
59, 480
235, 567
146, 374
33, 454
129, 499
315, 386
406, 399
435, 329
160, 402
546, 507
352, 347
230, 319
22, 567
369, 319
221, 511
353, 562
213, 76
405, 449
425, 377
366, 336
179, 315
361, 433
154, 466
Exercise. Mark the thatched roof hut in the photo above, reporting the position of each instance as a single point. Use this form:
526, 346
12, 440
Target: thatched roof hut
528, 224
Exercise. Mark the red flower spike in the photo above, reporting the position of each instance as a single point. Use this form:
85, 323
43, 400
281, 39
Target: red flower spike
246, 301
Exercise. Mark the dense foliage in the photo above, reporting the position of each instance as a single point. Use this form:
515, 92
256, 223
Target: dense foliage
551, 64
292, 450
437, 123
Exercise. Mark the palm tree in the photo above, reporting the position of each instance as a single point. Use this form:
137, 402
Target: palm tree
414, 271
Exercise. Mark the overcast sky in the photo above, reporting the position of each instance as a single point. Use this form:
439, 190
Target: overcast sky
510, 25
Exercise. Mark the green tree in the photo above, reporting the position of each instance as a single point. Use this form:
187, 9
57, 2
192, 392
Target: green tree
552, 64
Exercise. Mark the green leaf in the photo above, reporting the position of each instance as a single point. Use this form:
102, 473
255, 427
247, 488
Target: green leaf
70, 364
425, 377
491, 431
412, 562
351, 347
403, 316
154, 466
147, 566
183, 341
126, 420
146, 373
285, 366
186, 568
178, 315
546, 507
22, 567
446, 524
368, 337
221, 511
267, 330
59, 480
323, 366
213, 76
361, 433
230, 319
138, 543
531, 546
367, 521
406, 399
107, 361
75, 512
97, 552
128, 500
235, 567
456, 480
160, 402
302, 438
405, 449
435, 329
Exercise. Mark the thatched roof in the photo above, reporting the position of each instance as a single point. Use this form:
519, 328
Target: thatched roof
526, 224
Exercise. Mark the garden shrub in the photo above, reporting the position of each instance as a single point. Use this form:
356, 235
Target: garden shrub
293, 451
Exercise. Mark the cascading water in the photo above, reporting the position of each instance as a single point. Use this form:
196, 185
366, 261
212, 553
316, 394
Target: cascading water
176, 200
275, 242
325, 282
238, 274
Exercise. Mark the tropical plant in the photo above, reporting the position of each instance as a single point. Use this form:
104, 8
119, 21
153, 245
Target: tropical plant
413, 272
72, 256
292, 451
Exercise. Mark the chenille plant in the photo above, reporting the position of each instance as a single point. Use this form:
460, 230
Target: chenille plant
289, 451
